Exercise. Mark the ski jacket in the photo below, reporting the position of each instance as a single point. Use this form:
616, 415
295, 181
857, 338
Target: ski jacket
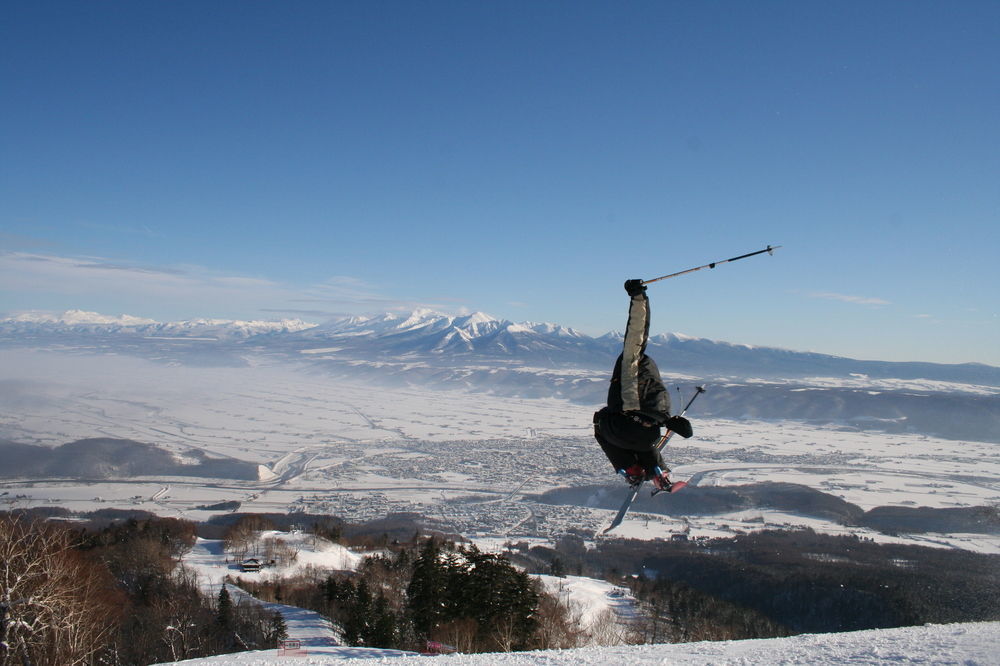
635, 383
653, 402
638, 403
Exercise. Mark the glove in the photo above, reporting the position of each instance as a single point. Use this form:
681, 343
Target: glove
680, 425
634, 287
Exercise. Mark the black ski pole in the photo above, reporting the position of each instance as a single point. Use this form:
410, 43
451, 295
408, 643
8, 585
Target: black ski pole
768, 249
698, 390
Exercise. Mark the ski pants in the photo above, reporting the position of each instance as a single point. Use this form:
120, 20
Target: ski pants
641, 447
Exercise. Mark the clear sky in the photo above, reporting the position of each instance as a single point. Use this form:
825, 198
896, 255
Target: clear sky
244, 159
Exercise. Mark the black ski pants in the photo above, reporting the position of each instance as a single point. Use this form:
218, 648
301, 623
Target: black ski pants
626, 443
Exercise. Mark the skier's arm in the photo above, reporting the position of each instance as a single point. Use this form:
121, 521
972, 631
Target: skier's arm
636, 336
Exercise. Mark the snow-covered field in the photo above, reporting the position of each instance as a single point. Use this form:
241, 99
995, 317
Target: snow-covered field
473, 462
972, 644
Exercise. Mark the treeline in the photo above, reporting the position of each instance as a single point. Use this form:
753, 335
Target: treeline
113, 595
799, 581
434, 591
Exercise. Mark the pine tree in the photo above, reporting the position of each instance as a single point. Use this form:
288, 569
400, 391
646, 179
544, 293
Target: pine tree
224, 613
427, 591
383, 630
276, 631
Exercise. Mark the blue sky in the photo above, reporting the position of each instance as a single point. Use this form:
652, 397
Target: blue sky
300, 159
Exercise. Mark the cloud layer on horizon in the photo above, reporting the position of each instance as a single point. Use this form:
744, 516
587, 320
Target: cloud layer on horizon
99, 283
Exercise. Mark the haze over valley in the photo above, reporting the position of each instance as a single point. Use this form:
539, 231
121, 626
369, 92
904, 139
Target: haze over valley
482, 428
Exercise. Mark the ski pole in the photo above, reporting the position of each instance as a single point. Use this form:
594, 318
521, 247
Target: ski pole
768, 249
698, 390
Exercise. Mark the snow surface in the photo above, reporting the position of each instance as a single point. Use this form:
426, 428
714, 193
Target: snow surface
80, 317
211, 564
472, 461
968, 644
587, 598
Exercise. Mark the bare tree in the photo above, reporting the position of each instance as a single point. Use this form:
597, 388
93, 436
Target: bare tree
460, 634
608, 629
244, 533
56, 605
279, 551
558, 626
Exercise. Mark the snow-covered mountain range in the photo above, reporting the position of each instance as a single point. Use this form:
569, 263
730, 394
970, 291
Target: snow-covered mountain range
90, 323
441, 339
540, 360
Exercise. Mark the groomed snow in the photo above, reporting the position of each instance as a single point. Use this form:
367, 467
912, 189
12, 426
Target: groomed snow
974, 643
587, 598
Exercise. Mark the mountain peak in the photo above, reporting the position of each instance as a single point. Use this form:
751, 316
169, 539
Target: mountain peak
80, 318
475, 318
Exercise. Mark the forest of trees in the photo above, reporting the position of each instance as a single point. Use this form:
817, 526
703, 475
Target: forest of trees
110, 589
431, 590
798, 581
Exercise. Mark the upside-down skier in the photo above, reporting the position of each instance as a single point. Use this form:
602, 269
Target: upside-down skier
628, 428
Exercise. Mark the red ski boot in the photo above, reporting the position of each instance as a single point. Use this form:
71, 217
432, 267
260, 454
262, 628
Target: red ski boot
635, 474
662, 482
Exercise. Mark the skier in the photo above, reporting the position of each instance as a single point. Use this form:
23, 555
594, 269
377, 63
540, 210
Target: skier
628, 428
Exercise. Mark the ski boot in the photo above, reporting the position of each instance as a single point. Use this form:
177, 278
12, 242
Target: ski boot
634, 474
662, 482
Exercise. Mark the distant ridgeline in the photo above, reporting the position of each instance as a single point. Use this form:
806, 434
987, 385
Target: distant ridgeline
105, 458
531, 360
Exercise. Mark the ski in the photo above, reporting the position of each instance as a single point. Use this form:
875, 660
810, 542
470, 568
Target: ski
630, 498
674, 487
626, 505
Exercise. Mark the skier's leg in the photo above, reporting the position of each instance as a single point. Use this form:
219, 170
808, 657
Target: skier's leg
651, 460
656, 470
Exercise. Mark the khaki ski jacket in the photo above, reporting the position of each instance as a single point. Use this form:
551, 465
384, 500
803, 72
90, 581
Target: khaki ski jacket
635, 383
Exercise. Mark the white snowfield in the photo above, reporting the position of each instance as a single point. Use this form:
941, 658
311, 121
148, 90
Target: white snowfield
968, 644
587, 598
475, 462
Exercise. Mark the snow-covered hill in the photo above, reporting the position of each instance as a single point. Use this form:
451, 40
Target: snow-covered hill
971, 644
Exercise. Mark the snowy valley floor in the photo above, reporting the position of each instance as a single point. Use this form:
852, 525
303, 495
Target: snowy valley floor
472, 463
967, 644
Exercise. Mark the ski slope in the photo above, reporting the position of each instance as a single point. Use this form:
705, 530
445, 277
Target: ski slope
210, 564
968, 644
